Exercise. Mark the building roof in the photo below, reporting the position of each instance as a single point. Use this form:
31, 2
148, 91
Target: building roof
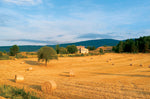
78, 47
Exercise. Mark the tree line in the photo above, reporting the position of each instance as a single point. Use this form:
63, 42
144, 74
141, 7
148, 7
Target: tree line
141, 44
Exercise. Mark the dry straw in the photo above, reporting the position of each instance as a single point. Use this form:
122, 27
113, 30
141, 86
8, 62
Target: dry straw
19, 78
49, 86
2, 97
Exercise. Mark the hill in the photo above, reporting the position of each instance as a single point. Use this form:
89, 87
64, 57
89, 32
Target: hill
96, 43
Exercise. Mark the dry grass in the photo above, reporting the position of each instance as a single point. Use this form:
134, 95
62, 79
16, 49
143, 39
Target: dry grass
95, 78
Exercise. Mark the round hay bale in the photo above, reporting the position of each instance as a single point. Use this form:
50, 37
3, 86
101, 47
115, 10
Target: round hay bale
113, 64
110, 59
107, 61
149, 66
30, 68
19, 78
49, 86
15, 58
22, 63
71, 74
130, 64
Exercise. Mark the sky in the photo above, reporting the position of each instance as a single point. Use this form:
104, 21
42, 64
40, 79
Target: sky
48, 22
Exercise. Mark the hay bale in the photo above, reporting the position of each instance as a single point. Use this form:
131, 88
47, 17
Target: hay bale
30, 68
113, 64
15, 58
22, 63
49, 86
110, 59
149, 66
19, 78
71, 74
131, 64
107, 61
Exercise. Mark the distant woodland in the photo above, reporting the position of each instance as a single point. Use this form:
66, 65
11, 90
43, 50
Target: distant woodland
141, 44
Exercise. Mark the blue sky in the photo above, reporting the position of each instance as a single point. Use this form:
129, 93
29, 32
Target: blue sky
42, 22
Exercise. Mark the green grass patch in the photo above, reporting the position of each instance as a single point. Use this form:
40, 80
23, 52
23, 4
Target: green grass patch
4, 57
8, 91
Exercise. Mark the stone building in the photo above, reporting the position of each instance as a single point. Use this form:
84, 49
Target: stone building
82, 49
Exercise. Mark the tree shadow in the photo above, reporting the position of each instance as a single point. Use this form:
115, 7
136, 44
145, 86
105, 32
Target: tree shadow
66, 74
124, 75
32, 62
12, 80
37, 87
145, 71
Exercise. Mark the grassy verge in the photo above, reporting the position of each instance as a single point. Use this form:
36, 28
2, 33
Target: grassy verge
15, 93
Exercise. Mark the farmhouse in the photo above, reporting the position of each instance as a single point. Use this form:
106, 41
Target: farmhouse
105, 49
82, 49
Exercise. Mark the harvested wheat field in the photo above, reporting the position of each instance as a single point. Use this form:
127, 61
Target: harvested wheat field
95, 77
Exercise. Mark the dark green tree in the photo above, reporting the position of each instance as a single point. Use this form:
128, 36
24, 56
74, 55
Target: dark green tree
57, 49
1, 54
72, 49
14, 50
101, 51
46, 53
62, 50
91, 48
120, 47
4, 52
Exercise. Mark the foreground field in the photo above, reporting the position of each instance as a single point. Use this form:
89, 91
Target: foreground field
95, 76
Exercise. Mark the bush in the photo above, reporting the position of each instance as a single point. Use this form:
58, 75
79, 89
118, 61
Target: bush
15, 93
101, 51
31, 53
20, 56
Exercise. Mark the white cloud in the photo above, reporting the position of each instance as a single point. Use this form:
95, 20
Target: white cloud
24, 2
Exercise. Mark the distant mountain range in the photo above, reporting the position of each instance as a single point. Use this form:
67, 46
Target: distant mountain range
96, 43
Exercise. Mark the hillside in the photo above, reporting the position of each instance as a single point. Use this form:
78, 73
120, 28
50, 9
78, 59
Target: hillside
96, 43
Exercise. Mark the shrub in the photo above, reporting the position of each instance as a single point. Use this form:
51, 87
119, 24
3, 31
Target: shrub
101, 51
31, 53
20, 56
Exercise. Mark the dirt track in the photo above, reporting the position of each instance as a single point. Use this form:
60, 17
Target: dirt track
95, 78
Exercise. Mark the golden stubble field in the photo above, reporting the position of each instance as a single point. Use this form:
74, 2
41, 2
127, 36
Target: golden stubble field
96, 77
